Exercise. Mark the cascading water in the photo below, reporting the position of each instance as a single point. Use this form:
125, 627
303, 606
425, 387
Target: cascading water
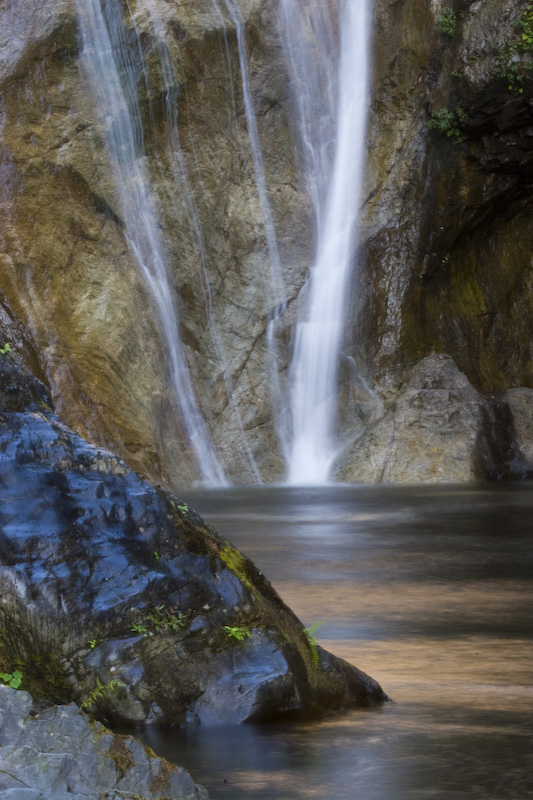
276, 295
111, 74
328, 60
330, 106
181, 187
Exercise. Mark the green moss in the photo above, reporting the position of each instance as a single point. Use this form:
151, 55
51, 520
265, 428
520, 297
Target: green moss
44, 677
239, 565
160, 782
477, 295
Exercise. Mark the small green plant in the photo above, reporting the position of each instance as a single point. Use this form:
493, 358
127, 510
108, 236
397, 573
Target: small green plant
160, 620
166, 620
447, 123
101, 690
156, 555
313, 644
447, 21
238, 632
512, 66
13, 679
5, 349
142, 630
93, 642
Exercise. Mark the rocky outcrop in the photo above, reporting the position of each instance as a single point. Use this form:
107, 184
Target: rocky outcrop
65, 262
116, 595
59, 754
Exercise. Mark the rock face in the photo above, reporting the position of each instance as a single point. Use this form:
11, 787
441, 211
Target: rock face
118, 596
59, 754
445, 235
448, 214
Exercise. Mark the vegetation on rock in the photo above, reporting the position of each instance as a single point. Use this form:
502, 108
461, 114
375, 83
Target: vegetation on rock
447, 21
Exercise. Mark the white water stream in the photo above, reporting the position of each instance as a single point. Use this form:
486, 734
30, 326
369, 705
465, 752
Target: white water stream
111, 73
330, 90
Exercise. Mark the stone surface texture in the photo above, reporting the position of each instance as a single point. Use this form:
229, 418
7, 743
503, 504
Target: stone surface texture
438, 428
60, 754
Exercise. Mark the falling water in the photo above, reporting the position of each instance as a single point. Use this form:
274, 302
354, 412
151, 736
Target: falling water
112, 77
181, 188
277, 286
330, 105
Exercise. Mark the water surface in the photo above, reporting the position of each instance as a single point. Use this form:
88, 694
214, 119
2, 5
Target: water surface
428, 590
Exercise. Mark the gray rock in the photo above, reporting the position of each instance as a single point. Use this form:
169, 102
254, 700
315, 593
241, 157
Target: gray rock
60, 754
438, 428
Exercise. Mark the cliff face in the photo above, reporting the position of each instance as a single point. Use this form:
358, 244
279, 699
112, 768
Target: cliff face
445, 234
449, 213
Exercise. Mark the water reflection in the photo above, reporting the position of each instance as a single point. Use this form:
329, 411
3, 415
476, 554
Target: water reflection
429, 591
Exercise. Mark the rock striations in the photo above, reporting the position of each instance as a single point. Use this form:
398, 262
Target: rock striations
60, 754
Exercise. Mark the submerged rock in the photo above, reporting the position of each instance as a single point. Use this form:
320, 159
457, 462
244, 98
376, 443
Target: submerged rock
118, 596
60, 754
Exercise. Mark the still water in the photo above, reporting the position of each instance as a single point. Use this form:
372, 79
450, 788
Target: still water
430, 591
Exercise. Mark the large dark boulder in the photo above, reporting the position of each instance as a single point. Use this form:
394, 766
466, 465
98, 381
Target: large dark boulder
118, 596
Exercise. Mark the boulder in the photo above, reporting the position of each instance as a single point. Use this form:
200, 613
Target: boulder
117, 595
440, 428
60, 754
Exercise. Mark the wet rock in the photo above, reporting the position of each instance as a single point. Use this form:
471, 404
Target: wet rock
60, 754
116, 595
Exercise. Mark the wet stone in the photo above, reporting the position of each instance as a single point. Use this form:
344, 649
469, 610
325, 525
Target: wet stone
118, 596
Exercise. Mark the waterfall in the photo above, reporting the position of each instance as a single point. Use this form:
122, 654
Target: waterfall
109, 67
330, 94
327, 58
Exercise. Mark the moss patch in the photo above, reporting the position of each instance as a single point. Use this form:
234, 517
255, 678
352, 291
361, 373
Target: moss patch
160, 782
120, 754
239, 565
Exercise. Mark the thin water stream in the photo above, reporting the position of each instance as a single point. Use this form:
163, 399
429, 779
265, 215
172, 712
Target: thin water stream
430, 591
110, 69
330, 86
